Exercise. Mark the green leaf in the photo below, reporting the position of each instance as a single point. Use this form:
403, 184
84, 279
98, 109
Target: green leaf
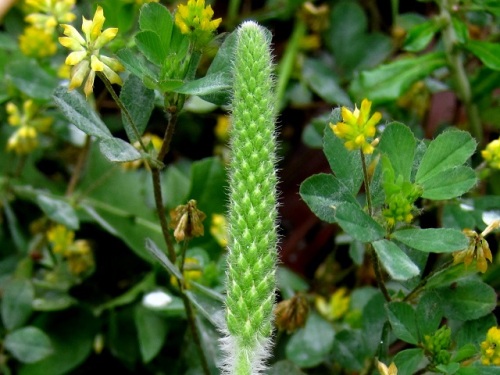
210, 308
72, 333
345, 164
349, 350
450, 149
208, 178
139, 101
217, 83
151, 330
428, 314
117, 150
288, 282
487, 52
474, 331
409, 361
126, 213
419, 36
223, 60
403, 321
465, 352
395, 261
122, 336
437, 240
449, 183
155, 17
323, 193
467, 299
31, 79
162, 258
77, 110
388, 82
323, 82
59, 211
310, 345
357, 223
137, 65
28, 344
373, 316
17, 299
398, 143
149, 43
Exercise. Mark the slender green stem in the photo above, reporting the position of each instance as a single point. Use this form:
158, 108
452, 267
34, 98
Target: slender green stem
160, 209
455, 61
232, 12
122, 107
375, 260
424, 281
366, 181
287, 62
75, 176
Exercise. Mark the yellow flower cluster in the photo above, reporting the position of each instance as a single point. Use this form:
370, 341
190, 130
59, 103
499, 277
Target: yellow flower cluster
85, 58
28, 123
195, 20
38, 43
357, 127
78, 254
37, 39
336, 307
491, 154
47, 14
490, 348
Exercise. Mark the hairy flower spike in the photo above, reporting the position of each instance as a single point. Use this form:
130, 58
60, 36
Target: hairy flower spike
357, 126
195, 19
252, 217
85, 58
490, 348
491, 154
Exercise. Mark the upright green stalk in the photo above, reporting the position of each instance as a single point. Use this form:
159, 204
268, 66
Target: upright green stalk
252, 211
455, 61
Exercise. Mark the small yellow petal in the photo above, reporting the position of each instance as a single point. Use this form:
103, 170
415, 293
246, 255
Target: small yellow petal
78, 74
105, 37
71, 43
71, 32
89, 84
112, 76
75, 57
96, 64
97, 23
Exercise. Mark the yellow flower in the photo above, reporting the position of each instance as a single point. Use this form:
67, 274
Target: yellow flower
336, 307
478, 248
192, 272
49, 13
218, 229
28, 122
384, 370
222, 128
35, 42
492, 154
490, 348
85, 58
79, 257
357, 126
195, 19
61, 238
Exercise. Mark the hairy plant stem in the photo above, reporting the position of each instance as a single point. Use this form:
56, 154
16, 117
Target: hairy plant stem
424, 281
375, 261
160, 208
122, 107
80, 163
455, 62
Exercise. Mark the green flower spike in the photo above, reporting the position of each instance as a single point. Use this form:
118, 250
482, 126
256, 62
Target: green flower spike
252, 213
